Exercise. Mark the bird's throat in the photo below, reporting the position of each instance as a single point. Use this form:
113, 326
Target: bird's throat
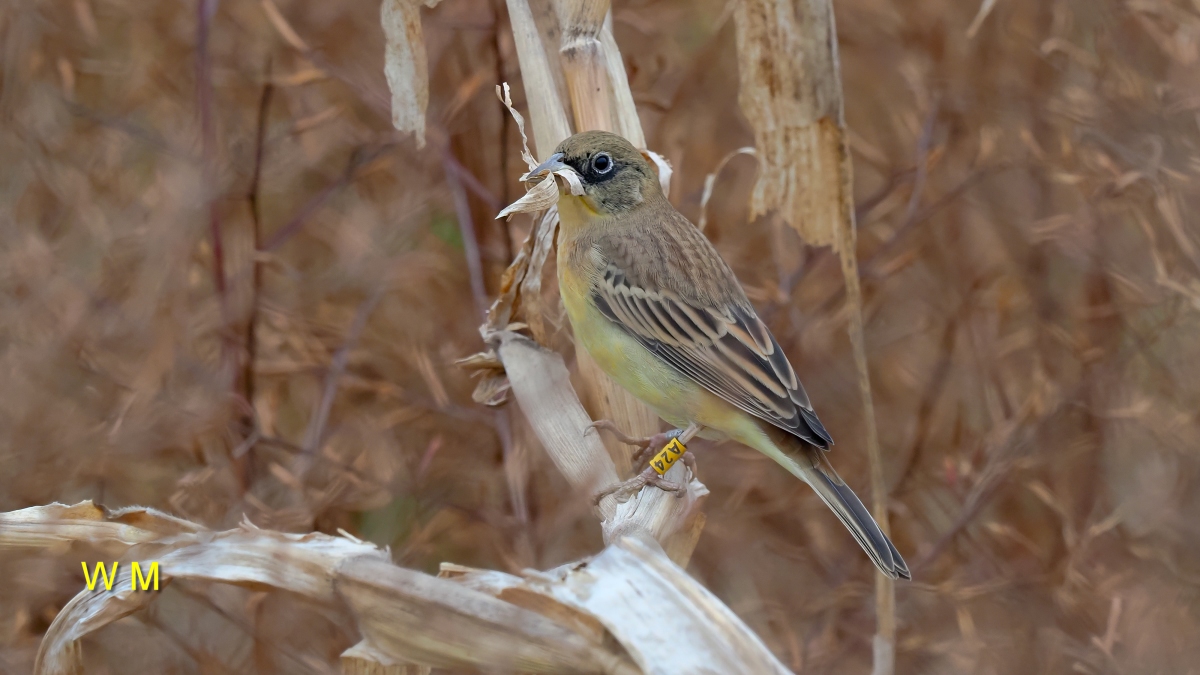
576, 212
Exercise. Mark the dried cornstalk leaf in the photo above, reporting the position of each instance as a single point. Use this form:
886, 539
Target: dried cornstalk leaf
493, 386
405, 65
507, 302
505, 95
541, 197
543, 389
303, 564
661, 167
710, 181
531, 286
791, 94
440, 623
632, 590
44, 526
365, 659
492, 390
513, 589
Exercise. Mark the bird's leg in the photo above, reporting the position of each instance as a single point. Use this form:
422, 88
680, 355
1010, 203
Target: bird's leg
648, 448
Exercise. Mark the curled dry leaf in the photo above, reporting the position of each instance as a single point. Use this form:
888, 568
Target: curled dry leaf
531, 285
545, 194
541, 197
405, 65
710, 181
505, 95
493, 384
661, 167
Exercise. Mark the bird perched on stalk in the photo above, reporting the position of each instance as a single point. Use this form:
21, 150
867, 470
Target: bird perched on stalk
656, 307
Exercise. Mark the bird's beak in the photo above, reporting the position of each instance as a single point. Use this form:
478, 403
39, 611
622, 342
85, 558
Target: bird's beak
554, 163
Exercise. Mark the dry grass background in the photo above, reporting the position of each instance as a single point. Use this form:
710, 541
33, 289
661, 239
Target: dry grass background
1025, 180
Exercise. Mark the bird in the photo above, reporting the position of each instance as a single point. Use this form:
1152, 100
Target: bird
656, 307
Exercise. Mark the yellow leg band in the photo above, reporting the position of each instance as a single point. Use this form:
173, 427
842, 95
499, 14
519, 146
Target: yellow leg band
667, 457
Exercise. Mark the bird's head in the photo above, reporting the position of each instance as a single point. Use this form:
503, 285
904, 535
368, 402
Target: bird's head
616, 177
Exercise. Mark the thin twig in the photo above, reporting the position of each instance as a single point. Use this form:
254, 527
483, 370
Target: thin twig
205, 11
297, 222
337, 365
466, 226
264, 106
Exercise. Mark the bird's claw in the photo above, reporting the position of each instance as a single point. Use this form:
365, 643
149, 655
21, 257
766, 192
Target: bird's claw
624, 490
612, 428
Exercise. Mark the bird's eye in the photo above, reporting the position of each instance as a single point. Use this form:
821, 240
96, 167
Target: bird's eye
602, 163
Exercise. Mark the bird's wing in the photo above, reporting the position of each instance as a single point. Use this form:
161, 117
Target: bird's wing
723, 346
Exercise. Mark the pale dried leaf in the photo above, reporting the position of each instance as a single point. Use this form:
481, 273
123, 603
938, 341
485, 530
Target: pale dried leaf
365, 659
636, 591
543, 389
43, 526
661, 167
531, 286
440, 623
541, 197
505, 96
302, 564
405, 64
710, 181
492, 390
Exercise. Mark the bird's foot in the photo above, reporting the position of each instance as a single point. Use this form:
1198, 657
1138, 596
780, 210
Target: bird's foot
623, 491
647, 446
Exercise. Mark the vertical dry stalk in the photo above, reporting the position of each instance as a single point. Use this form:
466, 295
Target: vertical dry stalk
546, 113
625, 114
583, 63
587, 64
791, 92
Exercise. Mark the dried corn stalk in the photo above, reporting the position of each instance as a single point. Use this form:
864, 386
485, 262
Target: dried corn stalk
406, 616
791, 92
603, 615
786, 56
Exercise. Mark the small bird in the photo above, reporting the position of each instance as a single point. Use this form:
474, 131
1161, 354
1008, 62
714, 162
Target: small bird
656, 307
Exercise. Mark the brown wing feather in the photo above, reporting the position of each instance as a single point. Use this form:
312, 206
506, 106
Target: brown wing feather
717, 341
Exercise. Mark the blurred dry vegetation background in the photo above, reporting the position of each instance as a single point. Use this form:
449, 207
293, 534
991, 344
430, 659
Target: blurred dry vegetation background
1025, 179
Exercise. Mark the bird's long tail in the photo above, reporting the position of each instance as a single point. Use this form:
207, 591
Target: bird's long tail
809, 464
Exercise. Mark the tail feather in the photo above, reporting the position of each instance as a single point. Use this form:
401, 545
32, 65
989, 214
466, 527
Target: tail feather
813, 468
846, 505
